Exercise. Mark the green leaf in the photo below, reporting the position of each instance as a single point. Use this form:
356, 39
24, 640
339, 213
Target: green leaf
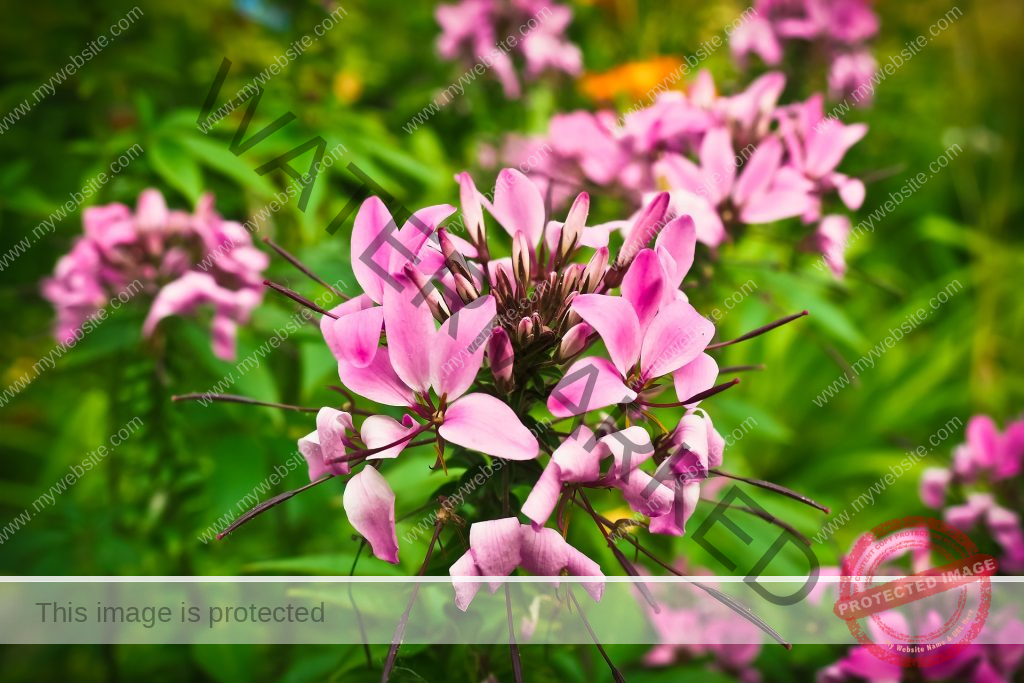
174, 164
214, 154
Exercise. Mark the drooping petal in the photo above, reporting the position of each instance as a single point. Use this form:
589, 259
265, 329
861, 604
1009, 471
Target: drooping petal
689, 458
495, 545
465, 591
543, 551
370, 505
589, 384
333, 427
543, 497
629, 448
457, 351
579, 564
683, 505
617, 323
577, 457
642, 287
677, 335
695, 377
410, 331
484, 423
377, 381
381, 430
518, 205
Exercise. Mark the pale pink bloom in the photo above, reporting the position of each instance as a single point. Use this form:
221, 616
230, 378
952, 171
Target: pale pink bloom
370, 507
832, 235
987, 452
324, 448
420, 358
498, 547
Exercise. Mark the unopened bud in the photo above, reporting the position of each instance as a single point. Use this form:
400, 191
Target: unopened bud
645, 228
523, 330
521, 259
594, 272
500, 356
574, 341
573, 226
435, 303
466, 289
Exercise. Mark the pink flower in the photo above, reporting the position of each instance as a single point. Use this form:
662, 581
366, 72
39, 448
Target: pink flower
497, 547
832, 236
650, 331
325, 447
420, 358
987, 452
181, 261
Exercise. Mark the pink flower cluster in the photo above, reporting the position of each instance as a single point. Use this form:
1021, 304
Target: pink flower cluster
181, 260
490, 33
838, 28
477, 350
986, 469
726, 161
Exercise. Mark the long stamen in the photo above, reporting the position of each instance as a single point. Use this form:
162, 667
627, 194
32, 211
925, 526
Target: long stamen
396, 640
302, 267
616, 674
729, 369
696, 397
347, 457
295, 296
233, 398
789, 493
759, 331
766, 516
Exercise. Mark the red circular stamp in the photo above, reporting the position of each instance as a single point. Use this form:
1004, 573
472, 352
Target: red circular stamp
924, 618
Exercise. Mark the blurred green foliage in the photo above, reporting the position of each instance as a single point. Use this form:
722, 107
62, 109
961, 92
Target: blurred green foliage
144, 510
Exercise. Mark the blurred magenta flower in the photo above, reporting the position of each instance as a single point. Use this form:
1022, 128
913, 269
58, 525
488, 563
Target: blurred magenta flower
177, 260
493, 33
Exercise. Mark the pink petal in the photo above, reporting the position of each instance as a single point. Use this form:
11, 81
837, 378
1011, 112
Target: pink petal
710, 229
589, 384
678, 240
381, 430
372, 220
718, 163
616, 322
759, 170
677, 335
543, 496
851, 191
465, 591
577, 457
377, 381
333, 426
630, 448
680, 173
354, 338
579, 564
410, 332
649, 222
642, 287
690, 448
370, 505
500, 356
688, 499
151, 211
543, 551
457, 351
469, 199
518, 205
934, 482
695, 377
414, 234
775, 206
495, 545
484, 423
983, 440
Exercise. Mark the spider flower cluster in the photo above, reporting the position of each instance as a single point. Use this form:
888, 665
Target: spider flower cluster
726, 161
493, 34
986, 471
480, 353
837, 29
182, 260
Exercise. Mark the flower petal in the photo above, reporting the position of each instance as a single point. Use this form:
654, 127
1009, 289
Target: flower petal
543, 496
718, 163
695, 377
377, 381
380, 430
677, 335
457, 351
759, 170
484, 423
370, 505
371, 252
465, 591
642, 287
495, 545
410, 332
589, 384
617, 323
518, 205
679, 241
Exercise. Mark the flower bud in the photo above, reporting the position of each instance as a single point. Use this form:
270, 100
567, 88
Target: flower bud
523, 330
435, 303
646, 227
521, 259
574, 341
572, 229
500, 356
465, 288
594, 272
